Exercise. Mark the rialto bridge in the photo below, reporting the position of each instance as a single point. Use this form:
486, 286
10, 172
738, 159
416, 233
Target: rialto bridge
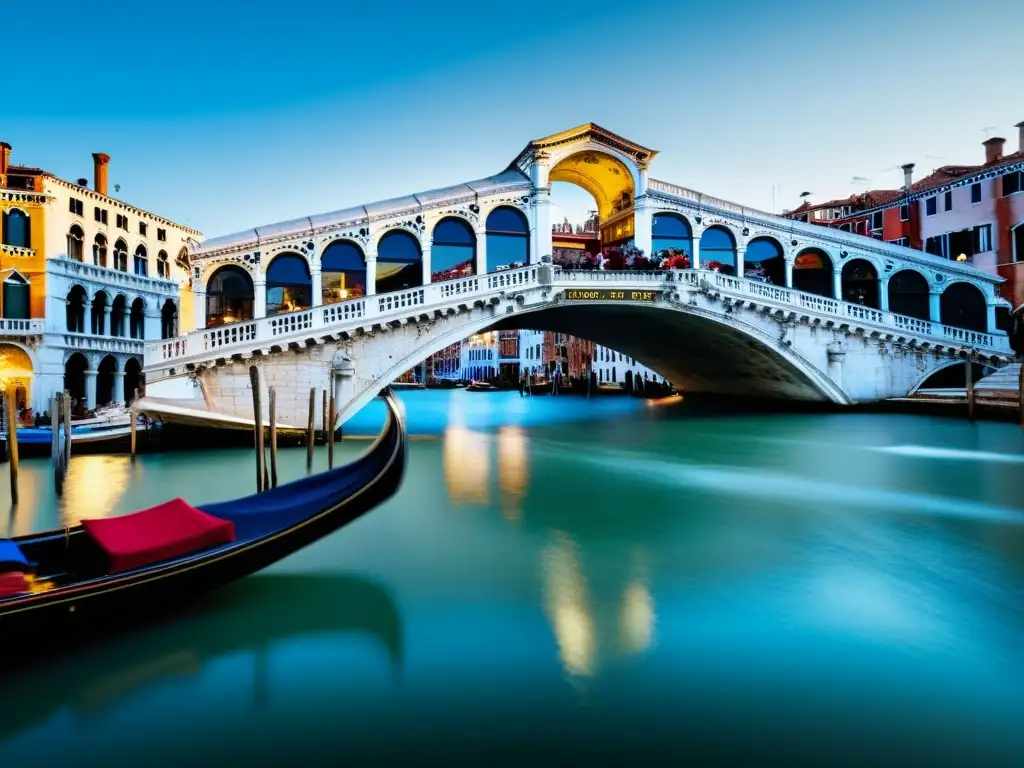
767, 307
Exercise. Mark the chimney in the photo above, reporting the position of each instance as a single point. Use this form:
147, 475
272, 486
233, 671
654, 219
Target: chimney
908, 176
99, 161
1020, 140
993, 149
83, 183
5, 157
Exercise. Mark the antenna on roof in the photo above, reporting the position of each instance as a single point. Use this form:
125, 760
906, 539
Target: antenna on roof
988, 130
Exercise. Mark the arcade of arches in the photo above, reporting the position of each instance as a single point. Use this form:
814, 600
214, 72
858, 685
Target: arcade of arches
110, 382
116, 316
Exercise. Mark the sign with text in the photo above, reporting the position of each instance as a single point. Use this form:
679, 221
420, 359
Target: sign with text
605, 294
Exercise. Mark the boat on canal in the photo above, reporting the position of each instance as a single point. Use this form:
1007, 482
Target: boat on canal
102, 574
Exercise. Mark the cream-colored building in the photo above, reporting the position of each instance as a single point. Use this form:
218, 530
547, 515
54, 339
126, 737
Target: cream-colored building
87, 279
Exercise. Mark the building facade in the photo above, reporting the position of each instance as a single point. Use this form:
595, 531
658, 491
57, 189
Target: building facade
611, 367
480, 357
87, 279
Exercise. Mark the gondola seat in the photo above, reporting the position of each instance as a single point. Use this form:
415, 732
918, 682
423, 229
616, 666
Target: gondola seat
166, 531
12, 558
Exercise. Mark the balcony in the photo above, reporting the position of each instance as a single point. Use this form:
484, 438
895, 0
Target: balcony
10, 328
89, 342
77, 271
17, 252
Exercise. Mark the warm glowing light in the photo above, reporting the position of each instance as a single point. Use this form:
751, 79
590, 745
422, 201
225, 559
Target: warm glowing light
663, 401
513, 470
467, 465
94, 485
637, 616
566, 605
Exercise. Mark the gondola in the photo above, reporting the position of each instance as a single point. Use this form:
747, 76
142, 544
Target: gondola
96, 577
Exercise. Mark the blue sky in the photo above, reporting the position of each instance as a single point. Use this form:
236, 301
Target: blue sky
225, 119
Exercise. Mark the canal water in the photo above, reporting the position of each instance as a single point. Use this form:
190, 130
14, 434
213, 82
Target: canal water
607, 581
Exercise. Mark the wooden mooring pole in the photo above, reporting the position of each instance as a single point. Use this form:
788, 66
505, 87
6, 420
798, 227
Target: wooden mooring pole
133, 414
330, 434
323, 421
67, 430
56, 454
273, 437
257, 412
310, 430
12, 442
970, 385
1020, 395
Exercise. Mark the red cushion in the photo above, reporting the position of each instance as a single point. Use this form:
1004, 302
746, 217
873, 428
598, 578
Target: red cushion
159, 533
12, 583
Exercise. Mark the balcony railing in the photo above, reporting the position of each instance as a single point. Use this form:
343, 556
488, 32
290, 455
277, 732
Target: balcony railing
78, 270
29, 327
17, 251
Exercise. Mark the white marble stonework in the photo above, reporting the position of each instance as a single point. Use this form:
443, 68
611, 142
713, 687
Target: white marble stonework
705, 331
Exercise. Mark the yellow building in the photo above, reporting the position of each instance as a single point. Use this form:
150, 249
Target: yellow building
87, 280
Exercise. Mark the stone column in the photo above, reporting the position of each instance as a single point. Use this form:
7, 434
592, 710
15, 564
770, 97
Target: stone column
481, 251
371, 273
642, 222
151, 322
106, 330
259, 304
836, 358
883, 294
90, 389
992, 318
741, 255
695, 261
118, 387
935, 305
199, 306
541, 225
425, 258
837, 284
318, 285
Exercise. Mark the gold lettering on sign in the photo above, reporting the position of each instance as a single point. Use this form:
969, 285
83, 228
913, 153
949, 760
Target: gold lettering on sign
604, 294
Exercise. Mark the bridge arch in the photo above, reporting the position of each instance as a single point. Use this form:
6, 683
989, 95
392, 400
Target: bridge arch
908, 294
860, 283
813, 272
718, 249
399, 261
289, 283
342, 271
765, 259
671, 231
230, 295
507, 233
962, 305
453, 249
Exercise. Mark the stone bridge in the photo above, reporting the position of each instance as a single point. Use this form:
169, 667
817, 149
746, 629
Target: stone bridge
705, 331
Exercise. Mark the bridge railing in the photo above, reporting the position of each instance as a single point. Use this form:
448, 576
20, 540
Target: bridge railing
365, 309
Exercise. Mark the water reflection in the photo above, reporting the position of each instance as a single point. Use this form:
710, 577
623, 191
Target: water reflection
513, 470
467, 466
636, 618
566, 603
252, 616
94, 485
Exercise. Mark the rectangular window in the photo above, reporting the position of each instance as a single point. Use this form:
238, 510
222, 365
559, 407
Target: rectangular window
161, 235
933, 245
122, 222
100, 214
903, 241
1013, 183
976, 192
949, 201
904, 212
876, 220
981, 238
930, 206
142, 228
75, 206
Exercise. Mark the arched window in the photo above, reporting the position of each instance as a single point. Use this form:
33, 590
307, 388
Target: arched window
764, 261
860, 283
105, 380
74, 376
17, 297
229, 296
141, 261
508, 239
118, 310
99, 313
398, 262
163, 265
132, 379
121, 256
289, 284
718, 250
137, 319
812, 272
908, 294
77, 301
16, 229
671, 232
963, 306
453, 252
342, 272
169, 320
99, 251
76, 243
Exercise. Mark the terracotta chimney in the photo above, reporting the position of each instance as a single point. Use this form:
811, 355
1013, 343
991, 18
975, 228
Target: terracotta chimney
1020, 140
99, 164
908, 176
5, 157
993, 149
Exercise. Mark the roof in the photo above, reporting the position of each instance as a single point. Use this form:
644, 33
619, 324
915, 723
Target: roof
307, 224
587, 132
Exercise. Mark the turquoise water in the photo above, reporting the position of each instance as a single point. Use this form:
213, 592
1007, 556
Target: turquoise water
612, 582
